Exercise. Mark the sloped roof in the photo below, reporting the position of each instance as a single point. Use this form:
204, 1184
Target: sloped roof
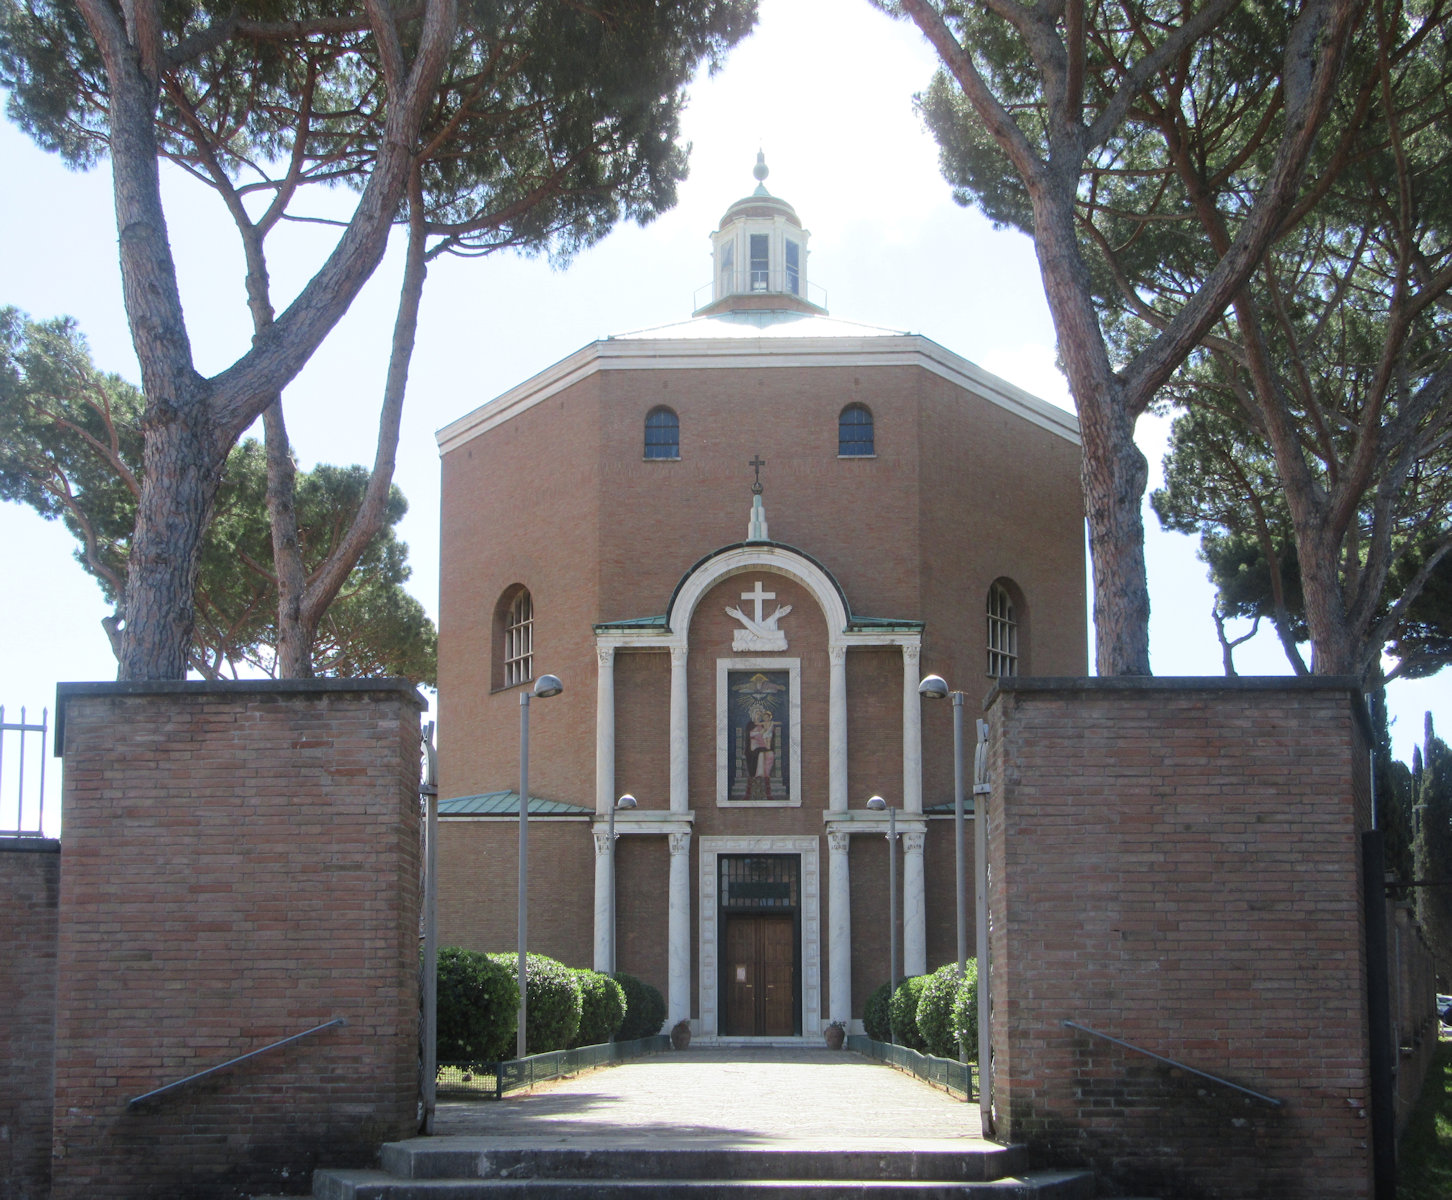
506, 804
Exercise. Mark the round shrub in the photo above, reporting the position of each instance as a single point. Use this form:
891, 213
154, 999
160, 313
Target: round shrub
903, 1007
602, 1010
965, 1011
477, 1007
935, 1010
552, 1017
645, 1009
874, 1015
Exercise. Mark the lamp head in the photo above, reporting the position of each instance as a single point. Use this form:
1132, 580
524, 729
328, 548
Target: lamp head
548, 685
877, 804
933, 687
625, 801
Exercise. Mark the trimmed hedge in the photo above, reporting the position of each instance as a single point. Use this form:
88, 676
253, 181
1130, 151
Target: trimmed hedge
645, 1008
477, 1007
965, 1011
552, 1017
875, 1017
938, 1017
603, 1007
903, 1008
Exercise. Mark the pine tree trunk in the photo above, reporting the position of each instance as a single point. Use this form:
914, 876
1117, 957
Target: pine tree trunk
181, 480
294, 634
1113, 472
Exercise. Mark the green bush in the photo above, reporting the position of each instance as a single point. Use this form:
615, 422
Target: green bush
552, 1017
477, 1007
603, 1007
903, 1008
874, 1015
645, 1009
965, 1011
937, 1008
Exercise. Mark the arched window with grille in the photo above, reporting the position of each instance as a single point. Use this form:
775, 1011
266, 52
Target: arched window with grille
518, 648
854, 432
662, 433
1003, 650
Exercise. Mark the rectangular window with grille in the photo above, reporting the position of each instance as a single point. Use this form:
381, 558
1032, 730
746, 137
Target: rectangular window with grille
760, 263
519, 642
1002, 634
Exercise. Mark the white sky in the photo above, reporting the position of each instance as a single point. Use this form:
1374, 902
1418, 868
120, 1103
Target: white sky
825, 87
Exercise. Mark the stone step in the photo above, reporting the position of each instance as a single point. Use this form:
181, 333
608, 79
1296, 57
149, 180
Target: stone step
379, 1185
465, 1158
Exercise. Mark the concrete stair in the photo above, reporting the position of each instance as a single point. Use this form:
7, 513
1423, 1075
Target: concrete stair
467, 1168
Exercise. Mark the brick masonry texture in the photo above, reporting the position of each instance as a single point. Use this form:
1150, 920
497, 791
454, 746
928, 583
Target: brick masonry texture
1176, 864
29, 892
241, 864
959, 493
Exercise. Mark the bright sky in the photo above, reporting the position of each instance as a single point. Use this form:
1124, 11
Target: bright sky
824, 87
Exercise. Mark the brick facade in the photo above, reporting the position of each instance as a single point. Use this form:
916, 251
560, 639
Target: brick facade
1213, 914
241, 864
29, 890
968, 484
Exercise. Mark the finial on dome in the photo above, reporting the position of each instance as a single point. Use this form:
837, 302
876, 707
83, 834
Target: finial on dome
761, 171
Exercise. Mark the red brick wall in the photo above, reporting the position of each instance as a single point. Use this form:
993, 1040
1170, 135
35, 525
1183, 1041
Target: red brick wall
479, 886
241, 864
29, 886
1176, 863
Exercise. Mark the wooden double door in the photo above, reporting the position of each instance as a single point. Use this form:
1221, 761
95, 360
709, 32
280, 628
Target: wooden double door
760, 975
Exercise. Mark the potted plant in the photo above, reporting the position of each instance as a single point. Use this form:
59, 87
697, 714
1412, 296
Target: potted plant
681, 1034
835, 1033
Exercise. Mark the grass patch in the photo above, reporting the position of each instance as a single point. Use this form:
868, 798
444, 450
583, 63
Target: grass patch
1424, 1167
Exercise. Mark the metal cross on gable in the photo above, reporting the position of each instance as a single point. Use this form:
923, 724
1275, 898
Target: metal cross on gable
758, 462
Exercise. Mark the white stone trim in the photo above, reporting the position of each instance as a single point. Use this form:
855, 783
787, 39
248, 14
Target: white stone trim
793, 667
711, 848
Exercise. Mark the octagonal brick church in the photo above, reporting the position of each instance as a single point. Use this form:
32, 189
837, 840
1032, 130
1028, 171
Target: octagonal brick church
740, 541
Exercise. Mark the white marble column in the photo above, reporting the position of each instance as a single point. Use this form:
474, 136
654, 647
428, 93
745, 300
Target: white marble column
912, 731
914, 905
837, 729
679, 734
678, 1002
604, 891
839, 929
605, 729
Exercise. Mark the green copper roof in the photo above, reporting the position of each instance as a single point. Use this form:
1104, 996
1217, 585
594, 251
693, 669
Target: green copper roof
633, 623
506, 804
949, 807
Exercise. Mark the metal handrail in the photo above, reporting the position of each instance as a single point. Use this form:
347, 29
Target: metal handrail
232, 1062
1271, 1100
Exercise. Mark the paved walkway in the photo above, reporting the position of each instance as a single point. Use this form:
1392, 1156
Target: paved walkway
726, 1098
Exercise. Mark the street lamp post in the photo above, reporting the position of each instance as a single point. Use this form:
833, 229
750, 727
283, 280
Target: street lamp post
935, 687
544, 687
878, 804
625, 802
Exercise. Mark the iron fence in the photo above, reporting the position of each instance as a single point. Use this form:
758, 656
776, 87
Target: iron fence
489, 1081
958, 1077
29, 810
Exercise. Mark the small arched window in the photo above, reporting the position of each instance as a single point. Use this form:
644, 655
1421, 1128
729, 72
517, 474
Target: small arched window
518, 656
1002, 633
662, 433
854, 432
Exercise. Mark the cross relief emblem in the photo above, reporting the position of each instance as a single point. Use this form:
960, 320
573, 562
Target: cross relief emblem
759, 631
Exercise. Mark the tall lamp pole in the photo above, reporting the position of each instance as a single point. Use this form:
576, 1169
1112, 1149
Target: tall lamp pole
935, 687
625, 802
878, 804
544, 687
